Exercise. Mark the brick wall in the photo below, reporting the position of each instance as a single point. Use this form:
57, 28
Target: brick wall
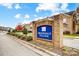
57, 26
69, 24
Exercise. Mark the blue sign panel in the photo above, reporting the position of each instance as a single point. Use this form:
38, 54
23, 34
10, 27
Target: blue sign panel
44, 32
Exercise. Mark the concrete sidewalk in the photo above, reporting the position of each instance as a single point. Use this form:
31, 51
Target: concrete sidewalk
71, 42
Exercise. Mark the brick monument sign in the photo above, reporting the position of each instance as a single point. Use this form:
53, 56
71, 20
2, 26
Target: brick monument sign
49, 31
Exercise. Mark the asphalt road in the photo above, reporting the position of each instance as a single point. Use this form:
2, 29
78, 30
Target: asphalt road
9, 47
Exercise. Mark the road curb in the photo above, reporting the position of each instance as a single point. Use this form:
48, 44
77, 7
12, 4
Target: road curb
44, 50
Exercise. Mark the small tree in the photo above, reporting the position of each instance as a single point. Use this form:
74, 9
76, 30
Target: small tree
19, 28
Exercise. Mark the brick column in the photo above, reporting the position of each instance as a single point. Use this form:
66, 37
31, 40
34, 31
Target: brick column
58, 31
76, 28
34, 30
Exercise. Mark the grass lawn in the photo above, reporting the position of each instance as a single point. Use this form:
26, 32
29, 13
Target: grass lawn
71, 35
29, 34
19, 33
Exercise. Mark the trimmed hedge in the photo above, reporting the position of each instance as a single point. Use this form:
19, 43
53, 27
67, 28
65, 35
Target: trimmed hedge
66, 32
77, 33
22, 37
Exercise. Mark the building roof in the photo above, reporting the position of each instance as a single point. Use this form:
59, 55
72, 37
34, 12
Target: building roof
70, 13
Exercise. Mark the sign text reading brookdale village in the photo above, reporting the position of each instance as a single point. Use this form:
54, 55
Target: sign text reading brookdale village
44, 32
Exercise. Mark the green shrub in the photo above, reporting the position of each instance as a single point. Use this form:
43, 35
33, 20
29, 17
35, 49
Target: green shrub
13, 34
23, 37
29, 31
77, 33
9, 31
14, 30
19, 36
25, 31
29, 38
66, 32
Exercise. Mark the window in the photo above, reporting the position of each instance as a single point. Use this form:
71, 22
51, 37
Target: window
77, 16
64, 20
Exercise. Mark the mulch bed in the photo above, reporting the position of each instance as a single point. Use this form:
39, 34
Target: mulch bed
65, 51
